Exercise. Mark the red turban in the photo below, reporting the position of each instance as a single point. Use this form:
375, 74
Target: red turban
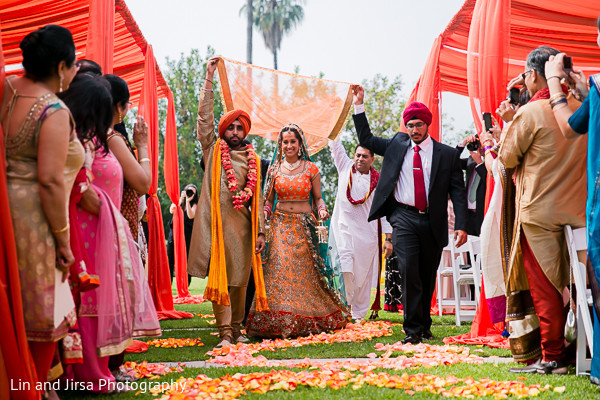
228, 118
416, 110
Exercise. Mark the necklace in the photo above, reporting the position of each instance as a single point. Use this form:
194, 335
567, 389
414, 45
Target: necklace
292, 166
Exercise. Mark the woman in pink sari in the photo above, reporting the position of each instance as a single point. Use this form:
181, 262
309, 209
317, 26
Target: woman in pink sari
108, 314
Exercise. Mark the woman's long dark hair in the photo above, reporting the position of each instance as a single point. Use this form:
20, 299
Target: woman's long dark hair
88, 97
118, 89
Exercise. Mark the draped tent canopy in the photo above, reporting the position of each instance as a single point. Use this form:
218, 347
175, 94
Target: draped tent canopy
486, 44
19, 17
105, 31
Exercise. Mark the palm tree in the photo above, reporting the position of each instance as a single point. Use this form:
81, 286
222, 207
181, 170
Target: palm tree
248, 10
275, 18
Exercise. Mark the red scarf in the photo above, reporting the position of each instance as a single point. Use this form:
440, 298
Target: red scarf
374, 180
545, 94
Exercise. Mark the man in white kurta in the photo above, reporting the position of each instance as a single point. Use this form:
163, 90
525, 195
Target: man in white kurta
356, 238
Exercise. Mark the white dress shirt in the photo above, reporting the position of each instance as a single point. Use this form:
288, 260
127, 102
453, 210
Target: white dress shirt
405, 188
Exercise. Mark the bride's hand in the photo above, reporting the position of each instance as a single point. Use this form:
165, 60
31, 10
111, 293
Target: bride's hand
323, 215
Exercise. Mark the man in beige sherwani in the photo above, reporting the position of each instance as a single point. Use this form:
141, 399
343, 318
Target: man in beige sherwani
550, 179
237, 226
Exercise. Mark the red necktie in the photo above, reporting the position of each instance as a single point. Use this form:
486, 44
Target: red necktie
419, 179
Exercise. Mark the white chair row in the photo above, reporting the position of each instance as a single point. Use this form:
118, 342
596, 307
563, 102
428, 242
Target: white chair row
577, 242
463, 266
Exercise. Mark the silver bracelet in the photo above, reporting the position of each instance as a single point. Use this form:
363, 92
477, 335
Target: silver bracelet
207, 90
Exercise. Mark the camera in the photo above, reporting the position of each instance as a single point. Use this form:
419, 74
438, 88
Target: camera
189, 192
474, 146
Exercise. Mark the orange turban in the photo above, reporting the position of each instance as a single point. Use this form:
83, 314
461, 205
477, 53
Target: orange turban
228, 118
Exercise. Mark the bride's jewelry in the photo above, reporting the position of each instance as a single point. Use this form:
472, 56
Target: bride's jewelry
293, 166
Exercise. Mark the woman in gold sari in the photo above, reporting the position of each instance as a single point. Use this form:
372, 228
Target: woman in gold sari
43, 156
305, 293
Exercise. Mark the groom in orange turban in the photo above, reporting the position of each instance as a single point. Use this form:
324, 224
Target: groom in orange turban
227, 238
234, 126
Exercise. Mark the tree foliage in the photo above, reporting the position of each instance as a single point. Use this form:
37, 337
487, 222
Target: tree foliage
384, 103
185, 77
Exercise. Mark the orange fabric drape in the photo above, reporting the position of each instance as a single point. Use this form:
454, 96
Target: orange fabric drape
100, 37
159, 277
274, 98
171, 172
16, 361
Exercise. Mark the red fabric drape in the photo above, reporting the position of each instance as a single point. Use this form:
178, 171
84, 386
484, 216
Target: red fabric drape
19, 17
568, 25
171, 171
101, 33
487, 49
427, 90
158, 264
16, 362
486, 78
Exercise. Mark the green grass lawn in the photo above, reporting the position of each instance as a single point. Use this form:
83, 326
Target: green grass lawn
576, 387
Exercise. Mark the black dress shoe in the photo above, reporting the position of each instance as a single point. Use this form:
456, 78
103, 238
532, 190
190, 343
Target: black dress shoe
529, 369
552, 367
427, 335
412, 339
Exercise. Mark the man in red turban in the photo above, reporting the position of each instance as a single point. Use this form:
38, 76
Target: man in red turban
417, 176
227, 238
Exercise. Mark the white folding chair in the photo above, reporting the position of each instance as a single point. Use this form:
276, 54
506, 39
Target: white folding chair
462, 275
577, 241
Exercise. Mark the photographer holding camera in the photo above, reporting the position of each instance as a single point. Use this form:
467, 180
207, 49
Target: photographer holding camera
475, 183
188, 201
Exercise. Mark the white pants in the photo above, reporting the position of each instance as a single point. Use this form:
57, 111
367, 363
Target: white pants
358, 294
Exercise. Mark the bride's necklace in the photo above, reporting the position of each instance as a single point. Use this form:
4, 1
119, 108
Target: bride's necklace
292, 166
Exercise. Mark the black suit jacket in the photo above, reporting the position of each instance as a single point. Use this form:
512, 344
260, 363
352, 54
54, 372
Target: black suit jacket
446, 179
468, 164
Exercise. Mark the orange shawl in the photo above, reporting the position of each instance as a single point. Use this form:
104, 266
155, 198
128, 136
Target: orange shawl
216, 287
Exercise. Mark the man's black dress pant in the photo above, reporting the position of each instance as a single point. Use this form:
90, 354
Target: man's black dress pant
418, 258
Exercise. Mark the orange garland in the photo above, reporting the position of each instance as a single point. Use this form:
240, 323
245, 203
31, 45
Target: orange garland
240, 196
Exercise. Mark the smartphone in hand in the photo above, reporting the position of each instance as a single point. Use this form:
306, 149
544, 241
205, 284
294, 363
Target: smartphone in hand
568, 65
487, 120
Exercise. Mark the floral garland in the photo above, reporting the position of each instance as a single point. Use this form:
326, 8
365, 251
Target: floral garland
373, 184
240, 196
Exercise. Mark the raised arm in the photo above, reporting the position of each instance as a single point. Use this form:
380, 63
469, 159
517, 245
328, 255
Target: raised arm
206, 119
136, 174
562, 112
365, 137
340, 157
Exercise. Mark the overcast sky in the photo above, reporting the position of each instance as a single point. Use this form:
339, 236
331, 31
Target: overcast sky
347, 40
